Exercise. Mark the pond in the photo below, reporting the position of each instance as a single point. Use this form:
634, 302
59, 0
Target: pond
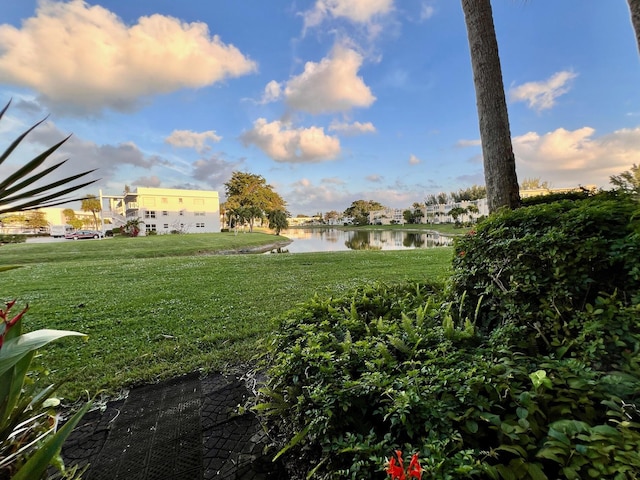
334, 239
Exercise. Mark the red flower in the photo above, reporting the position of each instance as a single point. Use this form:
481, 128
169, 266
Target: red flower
462, 253
415, 470
7, 324
396, 467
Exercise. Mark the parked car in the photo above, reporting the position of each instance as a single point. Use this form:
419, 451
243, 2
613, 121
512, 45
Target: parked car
83, 234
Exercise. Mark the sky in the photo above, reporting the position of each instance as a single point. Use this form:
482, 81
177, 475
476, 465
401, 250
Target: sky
330, 101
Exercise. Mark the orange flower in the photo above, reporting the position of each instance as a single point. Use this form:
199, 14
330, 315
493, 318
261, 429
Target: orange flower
415, 470
7, 324
396, 467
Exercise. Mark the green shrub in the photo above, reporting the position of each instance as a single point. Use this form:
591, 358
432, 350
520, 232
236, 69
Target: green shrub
384, 368
538, 265
527, 365
16, 238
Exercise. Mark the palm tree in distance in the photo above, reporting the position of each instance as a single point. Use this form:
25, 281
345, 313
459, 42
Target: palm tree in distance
497, 151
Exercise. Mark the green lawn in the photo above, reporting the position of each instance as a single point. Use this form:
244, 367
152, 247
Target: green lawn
154, 308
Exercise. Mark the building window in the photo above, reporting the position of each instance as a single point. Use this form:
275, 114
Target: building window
199, 225
150, 227
181, 213
163, 200
179, 200
150, 214
165, 213
182, 225
166, 225
199, 214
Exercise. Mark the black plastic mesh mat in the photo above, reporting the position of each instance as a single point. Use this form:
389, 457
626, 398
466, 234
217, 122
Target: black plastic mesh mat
157, 435
234, 445
186, 428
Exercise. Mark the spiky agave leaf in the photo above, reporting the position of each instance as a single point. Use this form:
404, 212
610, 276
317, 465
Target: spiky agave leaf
15, 195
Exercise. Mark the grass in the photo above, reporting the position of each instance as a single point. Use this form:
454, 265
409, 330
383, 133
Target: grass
154, 308
127, 247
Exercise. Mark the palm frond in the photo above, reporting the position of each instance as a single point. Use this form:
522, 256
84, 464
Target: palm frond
16, 192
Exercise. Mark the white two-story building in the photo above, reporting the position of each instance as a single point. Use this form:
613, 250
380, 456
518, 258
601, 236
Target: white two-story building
167, 210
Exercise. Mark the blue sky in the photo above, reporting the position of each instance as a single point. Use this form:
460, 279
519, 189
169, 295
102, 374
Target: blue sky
330, 100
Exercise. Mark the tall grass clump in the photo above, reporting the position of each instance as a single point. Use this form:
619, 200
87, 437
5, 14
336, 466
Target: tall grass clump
525, 365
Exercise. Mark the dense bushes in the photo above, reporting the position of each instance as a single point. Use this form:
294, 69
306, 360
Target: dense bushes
526, 366
539, 265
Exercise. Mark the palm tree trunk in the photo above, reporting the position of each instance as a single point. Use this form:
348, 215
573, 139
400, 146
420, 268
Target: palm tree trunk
497, 151
634, 7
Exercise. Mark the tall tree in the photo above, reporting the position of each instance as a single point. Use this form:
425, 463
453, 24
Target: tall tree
253, 195
91, 203
68, 214
359, 210
331, 215
278, 221
36, 219
497, 150
634, 7
628, 181
534, 183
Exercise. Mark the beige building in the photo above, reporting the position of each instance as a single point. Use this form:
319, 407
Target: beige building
387, 216
166, 210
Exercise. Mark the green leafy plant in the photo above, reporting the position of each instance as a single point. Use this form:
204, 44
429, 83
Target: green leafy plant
132, 227
30, 440
540, 264
526, 366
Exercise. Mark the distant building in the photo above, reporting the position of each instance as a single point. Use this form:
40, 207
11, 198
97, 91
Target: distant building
54, 217
166, 210
535, 192
441, 213
387, 216
303, 220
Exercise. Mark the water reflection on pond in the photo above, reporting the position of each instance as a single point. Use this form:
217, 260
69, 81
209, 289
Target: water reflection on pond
333, 239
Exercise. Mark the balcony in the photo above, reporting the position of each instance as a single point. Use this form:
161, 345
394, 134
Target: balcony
132, 206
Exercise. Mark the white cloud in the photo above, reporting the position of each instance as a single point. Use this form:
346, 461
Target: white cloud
355, 128
195, 140
568, 158
374, 178
413, 160
331, 85
542, 95
214, 171
358, 11
333, 181
283, 143
426, 12
468, 143
303, 195
109, 160
153, 181
272, 92
84, 58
